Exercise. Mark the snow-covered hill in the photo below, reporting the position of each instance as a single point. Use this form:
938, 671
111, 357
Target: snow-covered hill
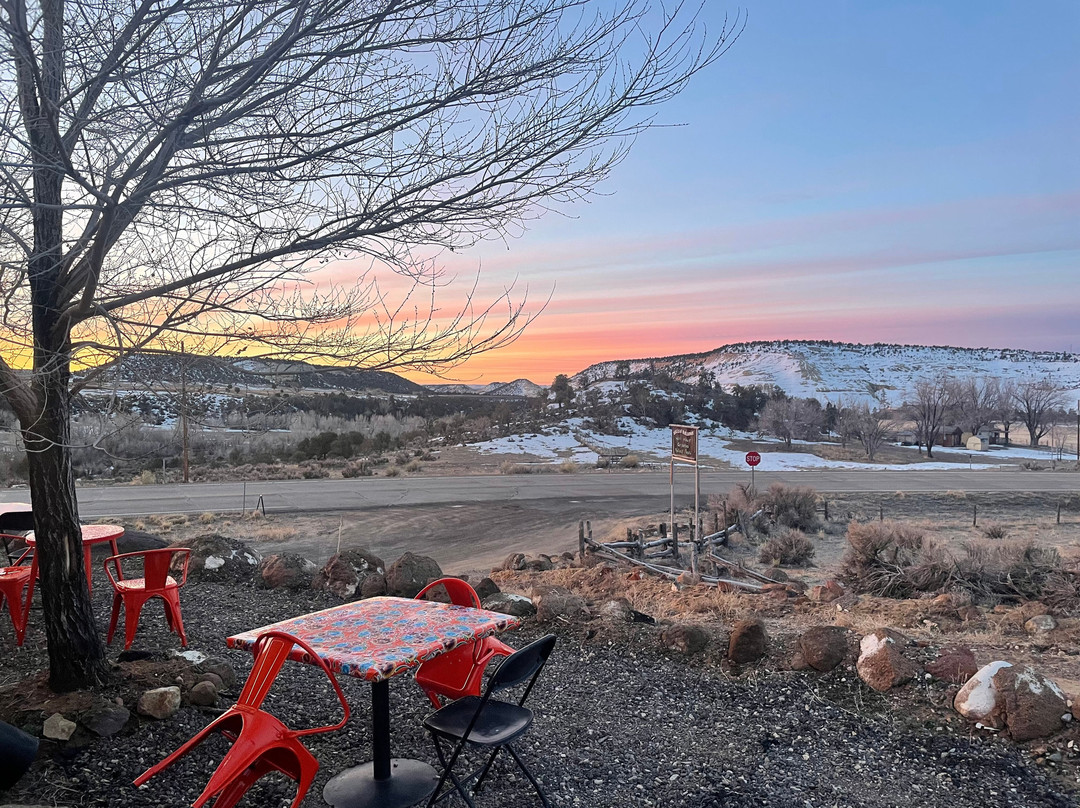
831, 371
518, 387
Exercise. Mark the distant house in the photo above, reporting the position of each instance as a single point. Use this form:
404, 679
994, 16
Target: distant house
906, 437
993, 436
949, 436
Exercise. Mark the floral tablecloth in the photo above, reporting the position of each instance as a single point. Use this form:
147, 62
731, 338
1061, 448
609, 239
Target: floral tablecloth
377, 638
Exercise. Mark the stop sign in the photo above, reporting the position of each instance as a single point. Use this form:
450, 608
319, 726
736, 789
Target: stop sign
752, 458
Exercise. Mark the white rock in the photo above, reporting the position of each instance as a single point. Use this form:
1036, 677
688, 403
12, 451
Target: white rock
977, 700
214, 562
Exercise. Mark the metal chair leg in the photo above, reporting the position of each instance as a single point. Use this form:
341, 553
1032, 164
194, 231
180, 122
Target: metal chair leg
525, 769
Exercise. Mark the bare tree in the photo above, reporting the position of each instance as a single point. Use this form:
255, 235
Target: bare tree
975, 401
186, 168
873, 428
928, 405
1005, 406
790, 419
1036, 403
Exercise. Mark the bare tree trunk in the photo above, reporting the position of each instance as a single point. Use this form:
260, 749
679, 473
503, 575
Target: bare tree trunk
76, 651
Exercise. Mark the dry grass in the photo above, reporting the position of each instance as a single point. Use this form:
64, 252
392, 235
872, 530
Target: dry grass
994, 530
207, 517
631, 461
568, 467
272, 534
392, 471
510, 467
414, 466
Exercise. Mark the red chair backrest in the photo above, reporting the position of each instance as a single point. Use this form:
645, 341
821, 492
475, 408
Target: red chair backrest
156, 565
461, 594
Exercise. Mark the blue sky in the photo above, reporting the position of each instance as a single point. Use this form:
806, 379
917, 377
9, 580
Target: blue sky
860, 171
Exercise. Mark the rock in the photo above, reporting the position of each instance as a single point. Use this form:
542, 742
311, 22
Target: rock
824, 647
747, 642
954, 665
373, 585
1034, 705
554, 602
286, 570
881, 664
513, 562
411, 573
219, 668
134, 655
978, 698
539, 564
58, 728
778, 591
684, 638
486, 588
1040, 624
135, 541
345, 573
1032, 608
203, 694
776, 574
1020, 700
507, 603
218, 558
160, 703
213, 679
798, 662
826, 593
618, 611
105, 718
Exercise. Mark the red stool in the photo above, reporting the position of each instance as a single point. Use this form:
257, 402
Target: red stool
155, 583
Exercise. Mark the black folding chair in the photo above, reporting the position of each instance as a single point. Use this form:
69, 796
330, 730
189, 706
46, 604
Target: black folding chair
488, 723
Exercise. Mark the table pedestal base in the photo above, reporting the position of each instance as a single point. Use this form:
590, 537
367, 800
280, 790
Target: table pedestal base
410, 781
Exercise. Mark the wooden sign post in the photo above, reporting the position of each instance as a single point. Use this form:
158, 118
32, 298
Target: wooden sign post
684, 448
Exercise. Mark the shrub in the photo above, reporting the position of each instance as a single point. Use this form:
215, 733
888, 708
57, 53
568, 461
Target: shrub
359, 469
146, 477
603, 463
314, 473
568, 467
994, 530
1008, 572
792, 506
792, 548
206, 517
401, 458
393, 471
880, 558
413, 466
510, 467
630, 462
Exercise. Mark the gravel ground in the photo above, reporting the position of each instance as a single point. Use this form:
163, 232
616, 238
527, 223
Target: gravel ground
614, 727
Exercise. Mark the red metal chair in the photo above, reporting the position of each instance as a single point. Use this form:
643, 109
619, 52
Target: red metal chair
458, 672
260, 742
17, 583
155, 583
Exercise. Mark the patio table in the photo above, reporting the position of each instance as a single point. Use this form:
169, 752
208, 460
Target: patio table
373, 640
91, 535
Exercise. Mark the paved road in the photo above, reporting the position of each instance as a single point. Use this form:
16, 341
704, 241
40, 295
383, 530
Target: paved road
649, 489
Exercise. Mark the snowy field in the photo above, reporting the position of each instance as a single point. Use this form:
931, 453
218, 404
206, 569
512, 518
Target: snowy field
571, 440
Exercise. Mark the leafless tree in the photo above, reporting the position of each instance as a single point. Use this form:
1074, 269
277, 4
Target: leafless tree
187, 168
790, 419
1005, 406
873, 428
975, 401
1037, 400
928, 405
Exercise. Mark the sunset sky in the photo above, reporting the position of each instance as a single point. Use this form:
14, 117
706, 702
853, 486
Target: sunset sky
856, 171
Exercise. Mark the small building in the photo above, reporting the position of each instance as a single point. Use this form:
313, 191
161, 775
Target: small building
948, 436
977, 443
906, 437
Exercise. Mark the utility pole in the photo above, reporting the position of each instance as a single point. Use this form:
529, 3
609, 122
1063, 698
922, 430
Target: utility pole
184, 411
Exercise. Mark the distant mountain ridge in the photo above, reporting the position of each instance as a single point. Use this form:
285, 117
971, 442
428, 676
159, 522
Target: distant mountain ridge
143, 369
830, 371
518, 387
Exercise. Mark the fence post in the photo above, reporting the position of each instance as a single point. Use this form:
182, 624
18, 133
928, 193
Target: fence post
975, 515
675, 541
581, 541
881, 513
826, 510
1059, 512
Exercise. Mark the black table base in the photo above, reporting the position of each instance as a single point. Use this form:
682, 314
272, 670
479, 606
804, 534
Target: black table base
410, 782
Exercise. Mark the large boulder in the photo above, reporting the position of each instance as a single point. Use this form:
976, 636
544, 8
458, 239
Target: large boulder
881, 664
1019, 700
824, 647
557, 602
747, 642
105, 718
286, 570
411, 573
345, 573
218, 558
136, 541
